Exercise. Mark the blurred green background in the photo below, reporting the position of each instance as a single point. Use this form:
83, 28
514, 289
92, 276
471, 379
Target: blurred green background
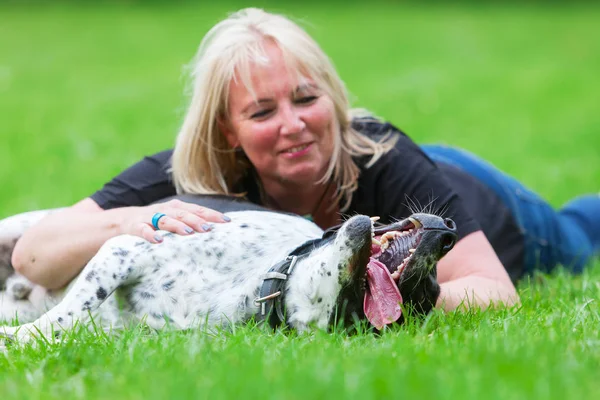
87, 89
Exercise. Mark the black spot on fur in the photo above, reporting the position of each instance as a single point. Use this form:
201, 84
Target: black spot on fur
101, 293
244, 226
91, 275
212, 310
328, 273
147, 295
60, 320
86, 306
168, 285
121, 252
320, 299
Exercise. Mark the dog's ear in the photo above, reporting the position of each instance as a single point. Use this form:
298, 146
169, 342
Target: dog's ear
423, 295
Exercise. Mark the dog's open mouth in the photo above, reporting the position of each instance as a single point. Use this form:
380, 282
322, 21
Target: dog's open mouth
392, 249
395, 249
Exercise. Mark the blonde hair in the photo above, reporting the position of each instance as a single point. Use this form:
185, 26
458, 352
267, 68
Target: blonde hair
203, 161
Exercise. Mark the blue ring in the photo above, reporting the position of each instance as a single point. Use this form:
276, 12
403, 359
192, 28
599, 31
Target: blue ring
155, 218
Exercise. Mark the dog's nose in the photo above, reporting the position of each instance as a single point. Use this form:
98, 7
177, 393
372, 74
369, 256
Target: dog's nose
450, 224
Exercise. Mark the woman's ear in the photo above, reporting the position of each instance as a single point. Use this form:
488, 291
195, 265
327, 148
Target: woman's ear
228, 132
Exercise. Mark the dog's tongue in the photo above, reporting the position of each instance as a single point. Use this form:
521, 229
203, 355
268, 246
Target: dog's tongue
382, 299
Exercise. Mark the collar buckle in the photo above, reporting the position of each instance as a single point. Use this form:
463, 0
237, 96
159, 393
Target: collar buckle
270, 298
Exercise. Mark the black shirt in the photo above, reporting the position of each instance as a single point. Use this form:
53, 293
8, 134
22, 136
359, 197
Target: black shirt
401, 182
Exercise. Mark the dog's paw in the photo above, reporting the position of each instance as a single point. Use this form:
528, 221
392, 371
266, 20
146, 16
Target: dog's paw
12, 335
19, 287
7, 336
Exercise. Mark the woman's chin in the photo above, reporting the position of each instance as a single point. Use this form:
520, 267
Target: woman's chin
302, 177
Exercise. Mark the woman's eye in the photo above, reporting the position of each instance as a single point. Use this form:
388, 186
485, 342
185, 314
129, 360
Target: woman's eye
306, 99
260, 114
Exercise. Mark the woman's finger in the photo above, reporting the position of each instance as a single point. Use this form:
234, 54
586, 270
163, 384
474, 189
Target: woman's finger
168, 223
147, 232
208, 214
192, 220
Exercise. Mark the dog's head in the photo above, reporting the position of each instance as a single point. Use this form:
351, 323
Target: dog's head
409, 250
376, 269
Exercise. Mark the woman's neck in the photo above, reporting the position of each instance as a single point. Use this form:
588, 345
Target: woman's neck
294, 198
314, 201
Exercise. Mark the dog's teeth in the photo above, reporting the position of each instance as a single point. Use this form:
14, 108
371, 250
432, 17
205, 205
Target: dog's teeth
388, 236
411, 251
375, 241
416, 223
375, 219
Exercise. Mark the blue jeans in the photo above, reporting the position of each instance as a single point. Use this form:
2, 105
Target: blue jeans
569, 236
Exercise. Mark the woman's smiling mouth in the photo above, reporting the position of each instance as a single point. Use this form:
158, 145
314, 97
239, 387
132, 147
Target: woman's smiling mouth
297, 151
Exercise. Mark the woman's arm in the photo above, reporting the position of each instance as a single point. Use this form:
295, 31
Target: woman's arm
471, 275
52, 252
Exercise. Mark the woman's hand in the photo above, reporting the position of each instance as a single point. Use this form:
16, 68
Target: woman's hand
180, 217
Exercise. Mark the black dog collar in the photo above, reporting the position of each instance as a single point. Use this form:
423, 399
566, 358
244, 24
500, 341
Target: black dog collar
272, 292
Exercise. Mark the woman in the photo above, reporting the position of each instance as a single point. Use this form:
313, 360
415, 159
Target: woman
269, 120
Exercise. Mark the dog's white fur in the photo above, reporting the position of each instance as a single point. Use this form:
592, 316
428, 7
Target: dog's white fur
201, 280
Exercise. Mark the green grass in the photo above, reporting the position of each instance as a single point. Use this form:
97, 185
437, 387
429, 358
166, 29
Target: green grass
86, 90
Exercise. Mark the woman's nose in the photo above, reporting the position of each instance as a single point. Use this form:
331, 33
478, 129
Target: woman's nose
291, 122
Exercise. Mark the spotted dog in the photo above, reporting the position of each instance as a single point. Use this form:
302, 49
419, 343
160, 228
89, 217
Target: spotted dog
255, 266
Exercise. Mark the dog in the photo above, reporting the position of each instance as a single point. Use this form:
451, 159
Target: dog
277, 268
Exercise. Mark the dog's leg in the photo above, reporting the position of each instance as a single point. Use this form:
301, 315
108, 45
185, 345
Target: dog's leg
13, 301
114, 265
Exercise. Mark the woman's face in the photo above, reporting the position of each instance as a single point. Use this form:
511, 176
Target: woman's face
287, 129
